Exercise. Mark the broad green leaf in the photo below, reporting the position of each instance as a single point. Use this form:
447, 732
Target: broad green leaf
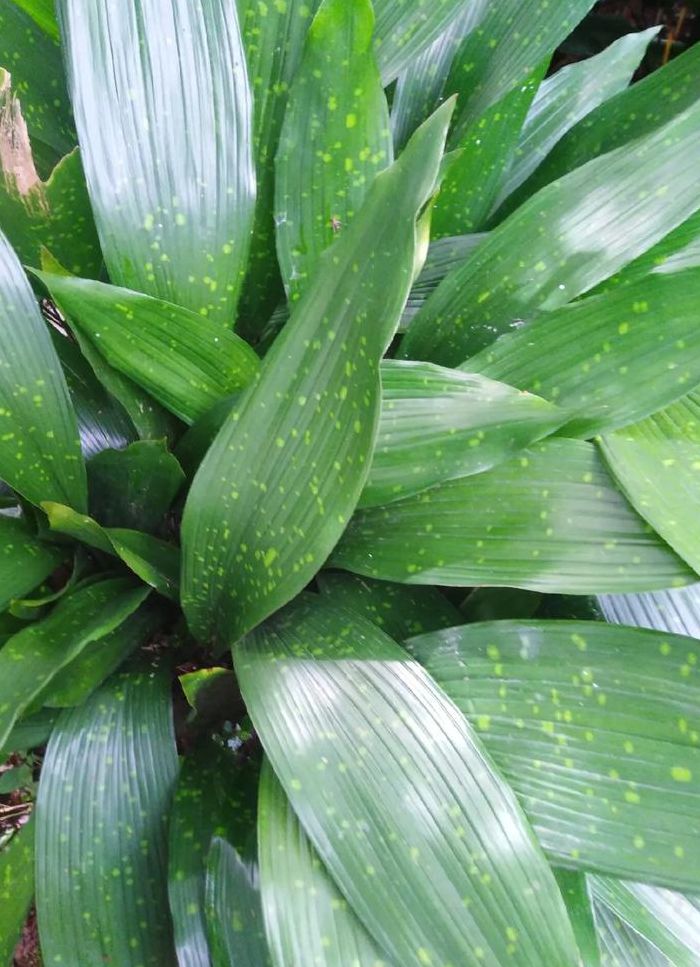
491, 604
398, 610
39, 443
212, 798
55, 213
419, 87
610, 359
155, 561
42, 12
622, 946
549, 520
273, 38
595, 727
656, 463
24, 561
194, 443
576, 893
16, 888
334, 140
32, 731
405, 27
437, 424
102, 421
101, 835
473, 180
31, 659
234, 915
173, 198
134, 487
569, 95
184, 361
34, 59
668, 920
444, 254
562, 242
260, 520
676, 610
641, 109
407, 826
512, 38
15, 778
308, 920
75, 683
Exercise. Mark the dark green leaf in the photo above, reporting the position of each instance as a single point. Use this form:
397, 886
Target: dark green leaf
273, 37
102, 421
16, 888
155, 561
24, 561
31, 659
271, 514
213, 695
437, 424
185, 361
656, 463
173, 201
308, 920
134, 487
34, 59
334, 140
407, 826
31, 732
569, 95
596, 728
549, 520
398, 610
16, 778
562, 242
39, 443
490, 604
104, 795
576, 893
610, 359
197, 439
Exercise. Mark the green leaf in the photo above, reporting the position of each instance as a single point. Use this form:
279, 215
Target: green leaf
407, 826
155, 561
173, 201
640, 110
213, 695
31, 732
185, 361
334, 140
668, 920
16, 888
15, 778
34, 58
134, 487
549, 520
473, 181
490, 604
622, 946
105, 790
212, 797
563, 241
39, 443
54, 214
569, 95
24, 561
595, 727
234, 915
42, 12
102, 421
676, 610
32, 658
317, 396
610, 359
444, 254
308, 920
656, 463
437, 424
398, 610
273, 37
512, 38
576, 892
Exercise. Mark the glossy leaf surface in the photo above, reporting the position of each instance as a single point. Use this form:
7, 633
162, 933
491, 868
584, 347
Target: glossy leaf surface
16, 888
406, 826
24, 561
101, 815
549, 520
173, 201
676, 610
284, 474
577, 895
334, 140
595, 726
